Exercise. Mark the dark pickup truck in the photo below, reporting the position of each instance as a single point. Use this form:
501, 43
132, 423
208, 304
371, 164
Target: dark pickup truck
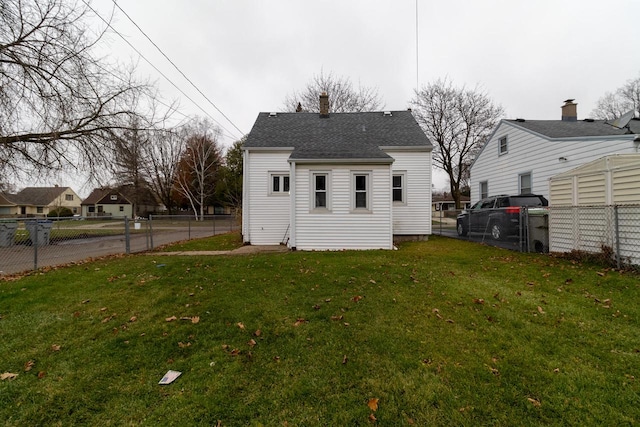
499, 215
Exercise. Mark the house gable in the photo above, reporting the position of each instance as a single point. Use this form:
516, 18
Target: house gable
340, 169
540, 149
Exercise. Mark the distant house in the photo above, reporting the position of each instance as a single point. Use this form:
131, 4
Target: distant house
121, 201
336, 181
444, 203
107, 202
522, 155
39, 201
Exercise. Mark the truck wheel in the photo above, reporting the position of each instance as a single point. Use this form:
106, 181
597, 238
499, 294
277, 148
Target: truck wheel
496, 231
461, 230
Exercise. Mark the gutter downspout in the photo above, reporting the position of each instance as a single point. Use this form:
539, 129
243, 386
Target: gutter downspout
292, 205
246, 238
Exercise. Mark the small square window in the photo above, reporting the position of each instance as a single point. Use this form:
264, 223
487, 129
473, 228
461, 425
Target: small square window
68, 197
503, 146
279, 183
121, 208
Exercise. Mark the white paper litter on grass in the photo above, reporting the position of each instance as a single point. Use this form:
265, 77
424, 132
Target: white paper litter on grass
169, 377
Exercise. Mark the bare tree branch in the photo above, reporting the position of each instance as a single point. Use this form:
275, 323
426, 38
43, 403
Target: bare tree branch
343, 97
613, 105
458, 121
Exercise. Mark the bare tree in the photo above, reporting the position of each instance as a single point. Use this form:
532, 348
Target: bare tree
230, 180
164, 152
458, 121
613, 105
343, 97
59, 102
199, 166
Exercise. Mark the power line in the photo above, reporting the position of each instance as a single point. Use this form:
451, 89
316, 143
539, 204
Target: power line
176, 67
159, 72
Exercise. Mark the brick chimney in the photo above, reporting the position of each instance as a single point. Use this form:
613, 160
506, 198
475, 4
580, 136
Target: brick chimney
569, 111
324, 105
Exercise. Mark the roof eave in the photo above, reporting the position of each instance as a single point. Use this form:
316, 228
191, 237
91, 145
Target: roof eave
378, 161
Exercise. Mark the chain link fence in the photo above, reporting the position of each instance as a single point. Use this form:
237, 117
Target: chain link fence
612, 231
30, 244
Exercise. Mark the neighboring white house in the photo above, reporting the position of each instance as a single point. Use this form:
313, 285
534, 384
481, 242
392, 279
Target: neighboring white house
40, 201
336, 181
522, 155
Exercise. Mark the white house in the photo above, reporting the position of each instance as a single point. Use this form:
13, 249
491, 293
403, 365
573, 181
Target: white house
336, 181
522, 155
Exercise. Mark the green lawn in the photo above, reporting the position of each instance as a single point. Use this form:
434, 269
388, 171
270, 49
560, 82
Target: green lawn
443, 332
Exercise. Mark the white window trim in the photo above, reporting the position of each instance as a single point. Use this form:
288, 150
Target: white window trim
500, 152
368, 189
312, 191
403, 175
520, 182
281, 175
480, 190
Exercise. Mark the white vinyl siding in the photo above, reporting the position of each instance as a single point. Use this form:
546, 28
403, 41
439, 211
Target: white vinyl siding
265, 217
541, 156
413, 217
341, 228
626, 186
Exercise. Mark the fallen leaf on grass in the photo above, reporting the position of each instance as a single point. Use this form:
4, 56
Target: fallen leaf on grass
373, 404
184, 345
257, 333
344, 359
171, 319
108, 318
55, 347
7, 376
252, 343
29, 365
240, 325
356, 298
534, 402
195, 319
372, 418
76, 314
568, 281
601, 274
133, 319
299, 321
337, 317
478, 301
41, 375
540, 310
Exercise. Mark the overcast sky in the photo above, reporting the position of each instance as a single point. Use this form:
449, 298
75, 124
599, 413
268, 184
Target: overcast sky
247, 55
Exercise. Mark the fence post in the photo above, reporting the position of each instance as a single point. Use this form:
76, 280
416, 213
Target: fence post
616, 226
127, 242
34, 242
151, 231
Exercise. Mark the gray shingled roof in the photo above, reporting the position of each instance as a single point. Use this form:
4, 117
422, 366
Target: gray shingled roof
580, 128
38, 196
340, 136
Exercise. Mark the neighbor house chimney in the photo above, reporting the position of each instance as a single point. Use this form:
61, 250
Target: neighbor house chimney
324, 105
569, 111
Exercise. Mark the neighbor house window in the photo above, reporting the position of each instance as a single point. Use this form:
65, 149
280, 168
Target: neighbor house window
361, 191
113, 197
320, 190
39, 209
398, 186
121, 208
502, 145
68, 197
484, 189
525, 183
279, 183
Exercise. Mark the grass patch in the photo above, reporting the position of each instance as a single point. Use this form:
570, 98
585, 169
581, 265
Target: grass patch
219, 242
443, 332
